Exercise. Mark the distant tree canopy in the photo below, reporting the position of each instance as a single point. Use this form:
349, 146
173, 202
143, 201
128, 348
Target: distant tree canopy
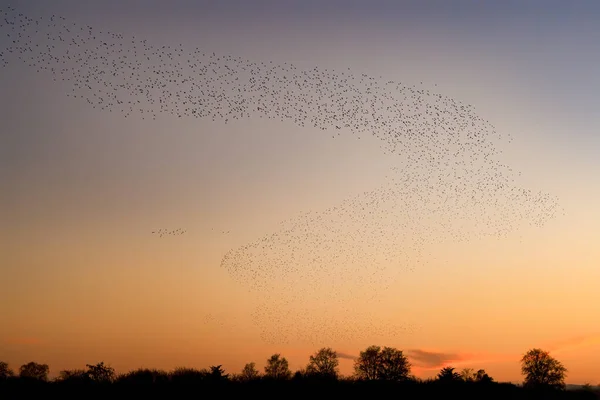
187, 375
367, 365
277, 368
249, 373
482, 376
73, 375
469, 375
324, 364
35, 371
542, 370
217, 373
5, 371
388, 364
373, 364
448, 375
100, 373
145, 376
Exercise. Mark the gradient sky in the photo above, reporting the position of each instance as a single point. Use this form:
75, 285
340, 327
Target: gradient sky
84, 281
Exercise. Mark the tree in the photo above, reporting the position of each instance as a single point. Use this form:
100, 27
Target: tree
300, 374
324, 364
5, 371
144, 376
188, 375
366, 365
468, 375
482, 377
34, 370
100, 373
447, 375
393, 365
249, 372
387, 364
217, 373
542, 370
277, 368
73, 375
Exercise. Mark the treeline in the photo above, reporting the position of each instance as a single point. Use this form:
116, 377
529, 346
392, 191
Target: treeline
377, 372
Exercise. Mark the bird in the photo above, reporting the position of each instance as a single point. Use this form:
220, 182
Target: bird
450, 182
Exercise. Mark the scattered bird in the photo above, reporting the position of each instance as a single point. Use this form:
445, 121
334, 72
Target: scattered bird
449, 184
164, 232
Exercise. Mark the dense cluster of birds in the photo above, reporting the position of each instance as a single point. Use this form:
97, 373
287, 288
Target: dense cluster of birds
449, 183
162, 232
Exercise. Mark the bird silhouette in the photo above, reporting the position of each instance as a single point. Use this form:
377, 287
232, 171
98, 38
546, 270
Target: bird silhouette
449, 182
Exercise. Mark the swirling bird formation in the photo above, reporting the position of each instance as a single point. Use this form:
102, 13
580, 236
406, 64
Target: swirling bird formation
449, 183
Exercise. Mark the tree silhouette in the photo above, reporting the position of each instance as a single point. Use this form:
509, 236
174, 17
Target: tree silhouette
100, 373
144, 376
277, 368
387, 364
73, 375
468, 375
375, 363
448, 375
249, 372
217, 373
301, 374
5, 371
542, 370
367, 365
323, 364
182, 375
35, 371
482, 377
393, 365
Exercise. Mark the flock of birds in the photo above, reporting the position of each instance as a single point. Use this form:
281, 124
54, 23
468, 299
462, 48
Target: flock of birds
316, 325
449, 183
162, 232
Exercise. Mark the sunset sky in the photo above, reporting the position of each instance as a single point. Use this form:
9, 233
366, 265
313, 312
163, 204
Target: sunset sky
82, 189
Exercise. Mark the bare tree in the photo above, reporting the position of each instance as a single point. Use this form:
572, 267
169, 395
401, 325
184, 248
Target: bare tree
367, 364
34, 370
542, 370
324, 363
277, 368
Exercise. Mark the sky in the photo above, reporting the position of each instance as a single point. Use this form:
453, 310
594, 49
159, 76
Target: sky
85, 280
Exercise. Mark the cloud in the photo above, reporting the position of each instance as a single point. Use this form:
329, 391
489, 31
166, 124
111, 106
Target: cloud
431, 359
423, 359
22, 341
579, 341
346, 356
